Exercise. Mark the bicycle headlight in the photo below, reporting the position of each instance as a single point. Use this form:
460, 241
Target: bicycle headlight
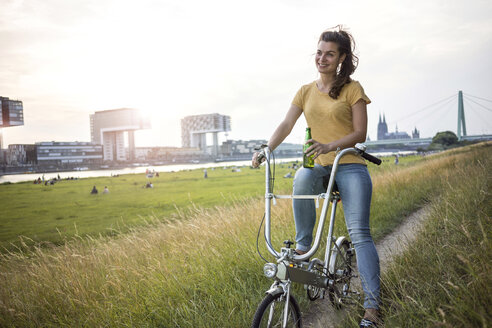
270, 270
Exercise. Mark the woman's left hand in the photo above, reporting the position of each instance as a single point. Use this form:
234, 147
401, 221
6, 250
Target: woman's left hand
317, 148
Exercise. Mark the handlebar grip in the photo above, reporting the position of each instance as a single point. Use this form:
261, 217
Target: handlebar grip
261, 153
371, 158
261, 156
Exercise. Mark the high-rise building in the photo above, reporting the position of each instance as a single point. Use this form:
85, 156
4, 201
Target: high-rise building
194, 130
108, 128
11, 112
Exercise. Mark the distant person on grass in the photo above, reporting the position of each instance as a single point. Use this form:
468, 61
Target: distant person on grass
106, 190
94, 190
335, 109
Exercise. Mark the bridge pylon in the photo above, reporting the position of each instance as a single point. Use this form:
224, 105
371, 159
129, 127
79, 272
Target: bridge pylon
461, 116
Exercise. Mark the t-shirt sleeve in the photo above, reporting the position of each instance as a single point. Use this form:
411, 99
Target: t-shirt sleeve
356, 93
299, 99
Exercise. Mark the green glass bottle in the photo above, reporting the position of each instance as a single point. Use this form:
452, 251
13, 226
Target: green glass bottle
307, 161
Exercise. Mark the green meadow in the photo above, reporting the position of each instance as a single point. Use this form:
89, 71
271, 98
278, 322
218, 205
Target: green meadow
39, 214
54, 213
197, 264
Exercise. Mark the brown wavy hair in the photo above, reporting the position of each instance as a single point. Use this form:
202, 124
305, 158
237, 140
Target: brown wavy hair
346, 45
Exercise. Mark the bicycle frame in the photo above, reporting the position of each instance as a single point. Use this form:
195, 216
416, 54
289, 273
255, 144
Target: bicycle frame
327, 196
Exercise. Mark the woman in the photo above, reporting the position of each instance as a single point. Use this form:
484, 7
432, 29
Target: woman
335, 109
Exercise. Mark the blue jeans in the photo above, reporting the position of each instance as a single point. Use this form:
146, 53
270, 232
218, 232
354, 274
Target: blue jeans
355, 186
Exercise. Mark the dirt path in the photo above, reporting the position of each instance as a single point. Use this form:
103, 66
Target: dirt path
322, 314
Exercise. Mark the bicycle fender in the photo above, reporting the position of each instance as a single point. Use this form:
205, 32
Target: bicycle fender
274, 291
339, 242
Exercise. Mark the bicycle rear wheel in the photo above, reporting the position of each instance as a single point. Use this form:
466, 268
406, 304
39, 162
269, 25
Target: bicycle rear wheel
341, 268
270, 312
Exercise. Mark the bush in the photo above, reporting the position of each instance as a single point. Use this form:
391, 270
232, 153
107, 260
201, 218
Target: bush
446, 138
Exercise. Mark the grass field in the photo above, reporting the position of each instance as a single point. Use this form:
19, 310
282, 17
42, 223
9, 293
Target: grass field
53, 214
200, 271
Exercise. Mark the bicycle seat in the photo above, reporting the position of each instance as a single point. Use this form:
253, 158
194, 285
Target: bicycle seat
326, 180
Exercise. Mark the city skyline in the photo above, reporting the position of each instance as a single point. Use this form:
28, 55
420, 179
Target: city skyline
66, 60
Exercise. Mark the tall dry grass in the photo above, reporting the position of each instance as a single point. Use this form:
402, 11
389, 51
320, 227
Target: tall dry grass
444, 279
200, 272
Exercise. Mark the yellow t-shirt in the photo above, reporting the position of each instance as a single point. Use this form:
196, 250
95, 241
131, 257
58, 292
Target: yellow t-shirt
330, 119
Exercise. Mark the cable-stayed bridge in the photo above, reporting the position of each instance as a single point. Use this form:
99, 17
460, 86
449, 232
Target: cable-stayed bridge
479, 106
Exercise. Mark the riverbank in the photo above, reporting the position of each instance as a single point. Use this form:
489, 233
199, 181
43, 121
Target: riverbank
107, 172
86, 172
37, 169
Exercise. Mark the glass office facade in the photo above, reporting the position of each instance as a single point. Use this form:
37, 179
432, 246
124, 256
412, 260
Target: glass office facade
12, 112
56, 153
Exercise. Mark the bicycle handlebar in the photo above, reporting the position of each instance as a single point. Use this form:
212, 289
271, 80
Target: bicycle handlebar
361, 149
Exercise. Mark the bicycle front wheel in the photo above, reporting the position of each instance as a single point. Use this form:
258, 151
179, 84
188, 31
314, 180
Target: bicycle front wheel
270, 312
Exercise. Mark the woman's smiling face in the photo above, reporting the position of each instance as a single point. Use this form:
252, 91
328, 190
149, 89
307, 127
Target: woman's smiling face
328, 57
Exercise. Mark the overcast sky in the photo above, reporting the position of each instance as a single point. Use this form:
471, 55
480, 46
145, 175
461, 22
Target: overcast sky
66, 59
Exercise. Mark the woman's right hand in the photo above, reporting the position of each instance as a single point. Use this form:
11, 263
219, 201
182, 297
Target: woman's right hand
256, 161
